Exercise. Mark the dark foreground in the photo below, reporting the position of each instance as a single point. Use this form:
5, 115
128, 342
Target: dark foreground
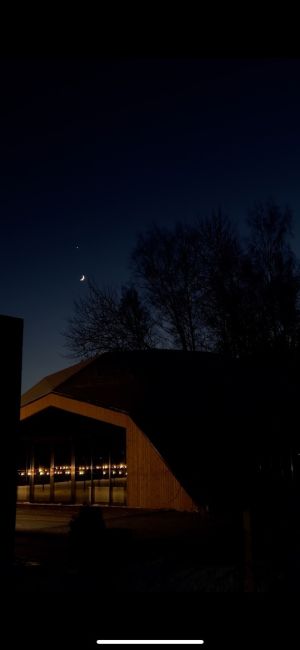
139, 551
152, 551
154, 575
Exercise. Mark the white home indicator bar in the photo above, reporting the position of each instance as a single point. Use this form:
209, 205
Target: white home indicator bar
151, 642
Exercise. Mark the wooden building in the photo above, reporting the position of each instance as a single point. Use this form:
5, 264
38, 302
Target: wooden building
81, 441
153, 429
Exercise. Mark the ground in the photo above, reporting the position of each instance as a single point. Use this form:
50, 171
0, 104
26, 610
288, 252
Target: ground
142, 551
153, 571
152, 551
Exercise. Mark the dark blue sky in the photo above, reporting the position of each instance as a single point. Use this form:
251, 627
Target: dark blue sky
93, 151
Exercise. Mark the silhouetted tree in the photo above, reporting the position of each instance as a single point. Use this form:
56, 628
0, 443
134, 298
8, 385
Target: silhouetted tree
197, 287
188, 276
220, 260
107, 320
165, 265
271, 282
135, 323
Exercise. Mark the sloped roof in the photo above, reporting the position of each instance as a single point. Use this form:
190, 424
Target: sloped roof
51, 382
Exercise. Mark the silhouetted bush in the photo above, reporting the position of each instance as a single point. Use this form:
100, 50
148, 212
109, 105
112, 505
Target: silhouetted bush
87, 536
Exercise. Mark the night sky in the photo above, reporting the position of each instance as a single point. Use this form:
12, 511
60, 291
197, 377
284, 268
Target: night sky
94, 151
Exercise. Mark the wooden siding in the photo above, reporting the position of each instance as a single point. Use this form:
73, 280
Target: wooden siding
150, 483
77, 407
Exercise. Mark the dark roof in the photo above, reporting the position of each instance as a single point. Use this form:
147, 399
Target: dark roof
49, 383
202, 412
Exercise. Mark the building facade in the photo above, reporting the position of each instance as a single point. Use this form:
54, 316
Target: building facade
78, 446
159, 429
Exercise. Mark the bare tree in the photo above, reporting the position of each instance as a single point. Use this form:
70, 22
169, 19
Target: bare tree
136, 327
220, 259
196, 287
187, 276
106, 320
165, 265
252, 294
272, 280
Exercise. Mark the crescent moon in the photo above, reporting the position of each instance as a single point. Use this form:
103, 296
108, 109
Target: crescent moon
82, 279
